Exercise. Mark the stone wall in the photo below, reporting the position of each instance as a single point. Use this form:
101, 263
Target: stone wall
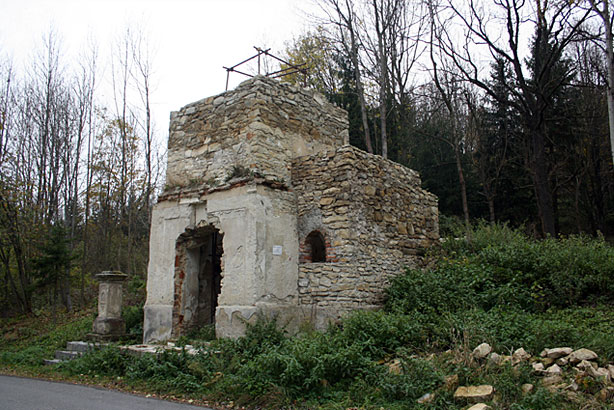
310, 227
374, 216
255, 129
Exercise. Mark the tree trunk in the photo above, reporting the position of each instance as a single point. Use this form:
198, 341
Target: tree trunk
610, 66
361, 97
383, 76
604, 14
541, 184
491, 209
463, 186
66, 298
9, 279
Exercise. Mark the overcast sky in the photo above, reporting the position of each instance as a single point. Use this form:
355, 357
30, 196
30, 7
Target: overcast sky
192, 39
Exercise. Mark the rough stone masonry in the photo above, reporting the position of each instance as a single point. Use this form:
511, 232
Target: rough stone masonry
268, 211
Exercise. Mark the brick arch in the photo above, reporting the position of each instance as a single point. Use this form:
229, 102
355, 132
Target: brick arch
316, 248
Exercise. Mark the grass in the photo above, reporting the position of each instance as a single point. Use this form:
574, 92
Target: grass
27, 341
501, 287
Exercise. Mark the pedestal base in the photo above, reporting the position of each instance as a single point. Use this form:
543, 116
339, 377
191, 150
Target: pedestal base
107, 329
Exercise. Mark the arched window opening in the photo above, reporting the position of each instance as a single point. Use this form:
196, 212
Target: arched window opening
316, 244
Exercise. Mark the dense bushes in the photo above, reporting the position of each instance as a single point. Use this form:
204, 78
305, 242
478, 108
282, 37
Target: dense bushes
561, 272
267, 366
501, 267
513, 291
501, 288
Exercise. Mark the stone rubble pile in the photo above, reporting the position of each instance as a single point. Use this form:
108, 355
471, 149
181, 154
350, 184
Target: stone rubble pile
561, 369
157, 349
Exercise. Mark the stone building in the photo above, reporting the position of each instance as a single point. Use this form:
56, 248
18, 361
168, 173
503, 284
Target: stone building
267, 210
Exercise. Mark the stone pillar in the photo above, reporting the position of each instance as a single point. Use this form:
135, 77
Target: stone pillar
109, 324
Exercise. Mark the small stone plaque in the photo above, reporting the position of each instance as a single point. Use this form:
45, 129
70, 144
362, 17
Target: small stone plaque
277, 250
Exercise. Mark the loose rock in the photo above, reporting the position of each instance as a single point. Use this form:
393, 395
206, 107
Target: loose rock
573, 386
599, 373
585, 365
427, 398
395, 366
554, 370
451, 382
520, 355
495, 359
527, 388
606, 394
548, 361
552, 380
557, 352
481, 351
538, 367
582, 354
480, 406
474, 394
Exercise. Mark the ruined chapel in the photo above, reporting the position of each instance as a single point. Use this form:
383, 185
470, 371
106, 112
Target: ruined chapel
267, 210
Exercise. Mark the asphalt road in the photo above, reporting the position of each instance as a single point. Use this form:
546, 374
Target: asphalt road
17, 393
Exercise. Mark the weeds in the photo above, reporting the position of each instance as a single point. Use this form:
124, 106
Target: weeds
502, 288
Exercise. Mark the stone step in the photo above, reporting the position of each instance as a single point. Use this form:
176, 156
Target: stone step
49, 362
79, 346
67, 354
73, 350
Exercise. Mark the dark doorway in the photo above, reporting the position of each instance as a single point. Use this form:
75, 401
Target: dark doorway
209, 278
198, 276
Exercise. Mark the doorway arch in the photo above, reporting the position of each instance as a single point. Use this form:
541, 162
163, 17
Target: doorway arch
198, 276
316, 246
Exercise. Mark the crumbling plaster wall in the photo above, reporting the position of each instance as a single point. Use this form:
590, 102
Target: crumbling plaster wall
265, 165
253, 219
376, 219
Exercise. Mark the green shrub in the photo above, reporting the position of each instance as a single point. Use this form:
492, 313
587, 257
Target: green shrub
503, 267
30, 356
451, 226
203, 333
106, 361
380, 333
260, 336
455, 286
133, 316
419, 377
32, 350
501, 287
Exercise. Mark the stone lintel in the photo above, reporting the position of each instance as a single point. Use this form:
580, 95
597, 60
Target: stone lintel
111, 276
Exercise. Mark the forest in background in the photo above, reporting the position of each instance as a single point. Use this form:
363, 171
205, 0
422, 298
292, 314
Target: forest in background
78, 173
501, 106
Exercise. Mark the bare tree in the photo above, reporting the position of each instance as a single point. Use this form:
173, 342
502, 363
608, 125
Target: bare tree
386, 13
556, 26
342, 15
84, 87
602, 9
6, 72
392, 48
122, 61
449, 87
142, 58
